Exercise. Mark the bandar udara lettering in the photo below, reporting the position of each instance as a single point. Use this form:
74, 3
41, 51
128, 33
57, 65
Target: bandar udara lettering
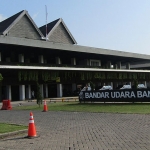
116, 94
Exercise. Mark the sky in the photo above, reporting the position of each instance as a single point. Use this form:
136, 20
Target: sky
122, 25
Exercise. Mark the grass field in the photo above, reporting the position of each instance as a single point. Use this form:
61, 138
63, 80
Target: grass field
140, 108
4, 128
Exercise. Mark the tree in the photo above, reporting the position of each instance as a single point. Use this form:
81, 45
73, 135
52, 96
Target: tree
1, 78
39, 96
92, 85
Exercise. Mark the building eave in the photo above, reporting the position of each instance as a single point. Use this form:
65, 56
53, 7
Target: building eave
68, 47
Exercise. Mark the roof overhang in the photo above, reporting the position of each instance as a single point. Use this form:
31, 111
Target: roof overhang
68, 47
71, 69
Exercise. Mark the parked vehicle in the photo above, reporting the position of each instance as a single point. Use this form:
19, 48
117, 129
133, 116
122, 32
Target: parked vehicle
88, 88
126, 87
108, 87
141, 86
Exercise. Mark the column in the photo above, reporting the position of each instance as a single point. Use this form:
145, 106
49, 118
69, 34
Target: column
28, 92
22, 92
59, 90
8, 92
74, 87
45, 61
21, 58
119, 65
41, 90
0, 56
27, 60
145, 83
111, 83
115, 85
46, 90
109, 64
8, 59
73, 61
58, 61
99, 84
128, 66
87, 62
115, 66
41, 59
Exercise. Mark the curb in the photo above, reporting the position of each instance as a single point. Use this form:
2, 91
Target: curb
4, 135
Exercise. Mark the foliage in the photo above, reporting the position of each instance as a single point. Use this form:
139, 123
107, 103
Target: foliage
1, 77
135, 84
31, 75
92, 85
39, 96
28, 75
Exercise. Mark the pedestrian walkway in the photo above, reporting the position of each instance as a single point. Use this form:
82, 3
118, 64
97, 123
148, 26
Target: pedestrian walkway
79, 131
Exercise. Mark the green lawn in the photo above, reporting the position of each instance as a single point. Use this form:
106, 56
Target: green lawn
142, 108
4, 127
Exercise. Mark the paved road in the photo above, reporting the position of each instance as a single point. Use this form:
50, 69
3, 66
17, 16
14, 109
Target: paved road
79, 131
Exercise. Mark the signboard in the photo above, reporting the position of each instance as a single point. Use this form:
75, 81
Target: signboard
116, 95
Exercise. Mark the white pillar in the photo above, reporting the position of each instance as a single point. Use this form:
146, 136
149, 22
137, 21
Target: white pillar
8, 92
109, 64
46, 90
41, 59
22, 92
87, 62
119, 65
145, 83
73, 61
128, 66
59, 90
58, 61
115, 66
111, 83
41, 90
74, 87
117, 84
21, 58
28, 92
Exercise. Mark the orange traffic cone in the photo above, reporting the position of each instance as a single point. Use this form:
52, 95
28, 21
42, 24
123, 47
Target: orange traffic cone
45, 107
31, 128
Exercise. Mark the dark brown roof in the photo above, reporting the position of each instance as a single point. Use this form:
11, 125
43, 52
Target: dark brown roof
49, 27
6, 23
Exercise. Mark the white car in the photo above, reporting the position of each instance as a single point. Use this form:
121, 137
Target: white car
141, 86
126, 87
86, 89
108, 87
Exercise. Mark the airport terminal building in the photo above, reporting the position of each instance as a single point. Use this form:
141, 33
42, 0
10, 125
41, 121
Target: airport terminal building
49, 55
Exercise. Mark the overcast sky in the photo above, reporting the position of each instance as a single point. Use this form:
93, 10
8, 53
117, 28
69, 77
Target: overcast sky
122, 25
